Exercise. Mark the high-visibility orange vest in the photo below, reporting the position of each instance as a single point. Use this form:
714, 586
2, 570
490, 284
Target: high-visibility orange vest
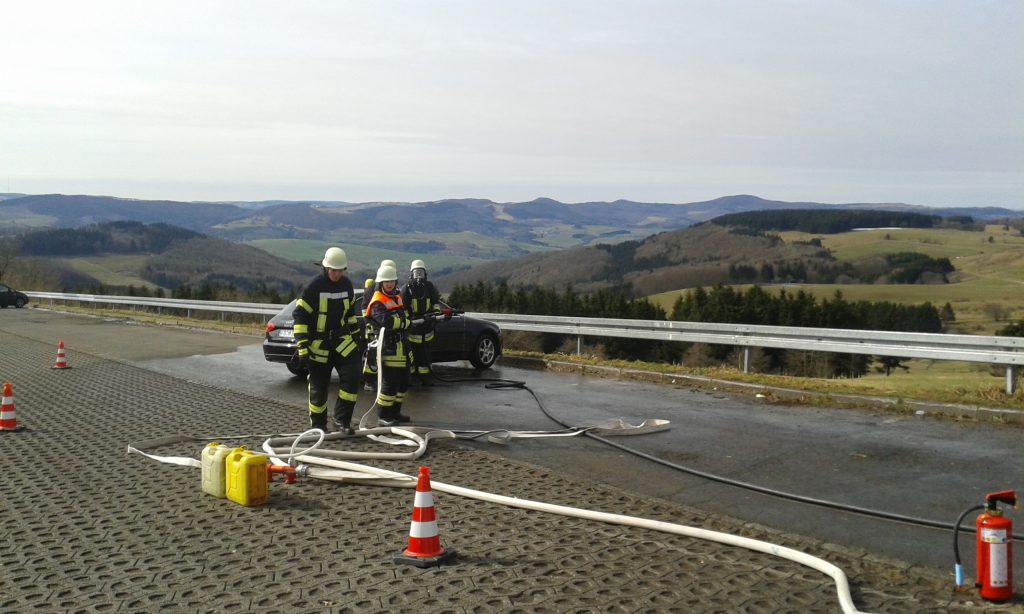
390, 302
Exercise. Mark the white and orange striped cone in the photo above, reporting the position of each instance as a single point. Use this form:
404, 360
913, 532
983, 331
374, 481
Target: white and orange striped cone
8, 421
424, 542
62, 361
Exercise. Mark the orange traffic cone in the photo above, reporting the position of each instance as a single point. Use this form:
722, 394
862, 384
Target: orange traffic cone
8, 421
424, 543
62, 361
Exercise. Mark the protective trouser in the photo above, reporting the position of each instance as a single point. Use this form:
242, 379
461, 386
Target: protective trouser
394, 380
420, 345
348, 385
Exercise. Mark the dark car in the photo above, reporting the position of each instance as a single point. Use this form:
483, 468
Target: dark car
10, 296
460, 338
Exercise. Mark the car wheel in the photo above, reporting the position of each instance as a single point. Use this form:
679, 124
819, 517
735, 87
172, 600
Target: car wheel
485, 351
19, 303
297, 369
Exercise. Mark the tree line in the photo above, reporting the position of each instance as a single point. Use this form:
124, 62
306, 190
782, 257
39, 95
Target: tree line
722, 304
825, 221
113, 237
206, 291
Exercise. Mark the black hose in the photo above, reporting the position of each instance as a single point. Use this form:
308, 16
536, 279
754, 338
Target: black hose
500, 384
956, 530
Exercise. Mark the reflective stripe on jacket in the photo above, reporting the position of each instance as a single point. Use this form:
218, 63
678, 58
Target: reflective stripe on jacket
385, 311
325, 317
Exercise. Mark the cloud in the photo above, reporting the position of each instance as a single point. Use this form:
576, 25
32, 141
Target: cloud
567, 98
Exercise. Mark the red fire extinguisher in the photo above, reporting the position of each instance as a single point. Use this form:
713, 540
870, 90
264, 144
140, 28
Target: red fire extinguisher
994, 546
994, 542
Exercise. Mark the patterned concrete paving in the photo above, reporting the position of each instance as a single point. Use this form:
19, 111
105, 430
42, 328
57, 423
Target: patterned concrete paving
90, 528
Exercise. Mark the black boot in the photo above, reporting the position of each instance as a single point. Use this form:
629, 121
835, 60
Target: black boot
396, 412
318, 421
343, 417
386, 416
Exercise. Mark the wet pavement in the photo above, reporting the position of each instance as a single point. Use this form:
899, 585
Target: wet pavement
94, 529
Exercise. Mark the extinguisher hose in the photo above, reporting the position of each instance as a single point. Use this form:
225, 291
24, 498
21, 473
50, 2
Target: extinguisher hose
958, 569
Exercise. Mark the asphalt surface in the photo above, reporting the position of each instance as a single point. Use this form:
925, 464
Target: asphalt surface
94, 530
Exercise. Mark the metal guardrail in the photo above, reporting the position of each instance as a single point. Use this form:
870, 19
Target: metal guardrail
1004, 351
188, 305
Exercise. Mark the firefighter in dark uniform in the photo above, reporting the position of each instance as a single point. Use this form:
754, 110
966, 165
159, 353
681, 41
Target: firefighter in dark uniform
386, 314
422, 301
325, 322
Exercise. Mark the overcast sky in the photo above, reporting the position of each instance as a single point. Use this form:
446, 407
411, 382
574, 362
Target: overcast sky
668, 101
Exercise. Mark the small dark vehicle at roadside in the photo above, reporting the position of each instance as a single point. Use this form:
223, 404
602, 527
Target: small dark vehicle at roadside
460, 338
11, 297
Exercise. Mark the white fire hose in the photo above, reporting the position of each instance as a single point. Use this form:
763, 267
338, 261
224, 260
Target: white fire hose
327, 465
335, 470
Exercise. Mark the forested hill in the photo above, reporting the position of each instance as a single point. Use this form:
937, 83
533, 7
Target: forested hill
830, 221
734, 249
317, 220
158, 254
111, 238
703, 255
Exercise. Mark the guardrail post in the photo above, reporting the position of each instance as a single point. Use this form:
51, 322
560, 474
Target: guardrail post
579, 345
1011, 378
746, 359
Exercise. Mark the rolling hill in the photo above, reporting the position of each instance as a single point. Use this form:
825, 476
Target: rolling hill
147, 256
463, 232
652, 247
735, 248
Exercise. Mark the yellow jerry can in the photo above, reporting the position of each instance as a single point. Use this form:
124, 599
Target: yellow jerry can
246, 477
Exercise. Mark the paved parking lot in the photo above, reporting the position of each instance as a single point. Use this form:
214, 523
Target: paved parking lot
92, 528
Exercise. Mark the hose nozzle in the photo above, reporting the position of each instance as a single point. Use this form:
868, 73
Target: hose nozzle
288, 471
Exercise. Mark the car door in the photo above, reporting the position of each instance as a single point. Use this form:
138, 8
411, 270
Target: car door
7, 295
449, 337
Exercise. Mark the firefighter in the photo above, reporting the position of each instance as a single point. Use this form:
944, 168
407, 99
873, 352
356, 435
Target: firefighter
370, 357
386, 314
325, 323
422, 301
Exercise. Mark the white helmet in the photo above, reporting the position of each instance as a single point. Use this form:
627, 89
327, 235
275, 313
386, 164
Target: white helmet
386, 273
417, 264
390, 263
335, 258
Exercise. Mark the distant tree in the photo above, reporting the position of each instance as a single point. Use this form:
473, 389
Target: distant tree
8, 251
1014, 329
887, 363
995, 311
946, 313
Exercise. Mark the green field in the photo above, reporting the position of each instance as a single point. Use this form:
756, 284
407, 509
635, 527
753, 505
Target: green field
121, 270
565, 236
988, 282
361, 257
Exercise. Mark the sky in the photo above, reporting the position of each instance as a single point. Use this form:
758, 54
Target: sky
836, 101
